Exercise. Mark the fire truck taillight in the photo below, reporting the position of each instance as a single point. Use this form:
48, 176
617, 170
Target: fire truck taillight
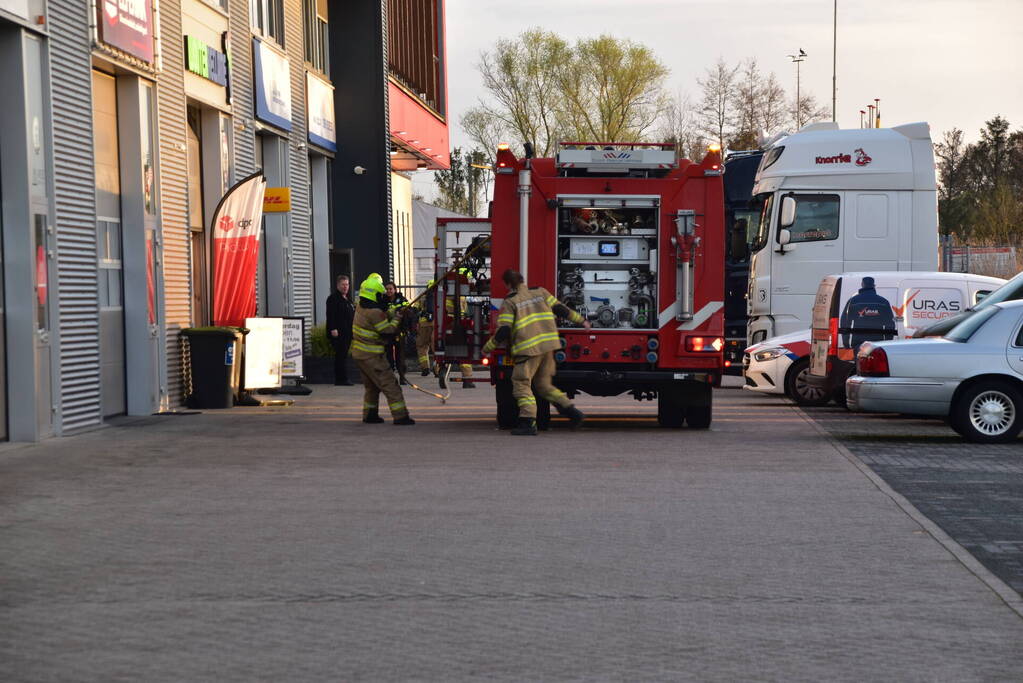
705, 344
486, 361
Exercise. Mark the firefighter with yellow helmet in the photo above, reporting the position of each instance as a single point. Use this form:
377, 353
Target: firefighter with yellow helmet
526, 323
372, 323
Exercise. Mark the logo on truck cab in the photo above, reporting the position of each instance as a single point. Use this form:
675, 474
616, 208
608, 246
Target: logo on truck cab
862, 158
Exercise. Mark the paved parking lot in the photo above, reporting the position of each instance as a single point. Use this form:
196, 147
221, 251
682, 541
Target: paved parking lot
974, 492
299, 544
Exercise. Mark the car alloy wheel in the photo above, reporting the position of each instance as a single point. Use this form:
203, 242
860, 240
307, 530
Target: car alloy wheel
992, 413
801, 391
988, 412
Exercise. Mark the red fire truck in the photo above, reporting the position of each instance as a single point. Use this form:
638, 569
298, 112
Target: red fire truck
627, 235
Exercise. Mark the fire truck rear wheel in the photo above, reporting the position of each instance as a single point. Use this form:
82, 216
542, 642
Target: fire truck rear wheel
670, 412
507, 411
698, 417
543, 414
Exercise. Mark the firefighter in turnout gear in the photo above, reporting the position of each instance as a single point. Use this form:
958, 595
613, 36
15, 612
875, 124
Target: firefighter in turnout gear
463, 310
527, 325
372, 323
424, 332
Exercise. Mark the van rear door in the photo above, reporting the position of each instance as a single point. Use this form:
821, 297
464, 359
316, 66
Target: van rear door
828, 294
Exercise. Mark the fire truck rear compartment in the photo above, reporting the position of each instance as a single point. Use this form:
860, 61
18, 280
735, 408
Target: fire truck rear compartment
607, 265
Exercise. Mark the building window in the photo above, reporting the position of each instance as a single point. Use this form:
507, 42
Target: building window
219, 4
317, 47
268, 19
415, 49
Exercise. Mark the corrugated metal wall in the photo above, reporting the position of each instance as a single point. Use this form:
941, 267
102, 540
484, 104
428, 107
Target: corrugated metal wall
75, 196
241, 88
173, 191
298, 173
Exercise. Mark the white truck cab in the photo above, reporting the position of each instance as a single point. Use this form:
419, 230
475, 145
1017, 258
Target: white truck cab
833, 201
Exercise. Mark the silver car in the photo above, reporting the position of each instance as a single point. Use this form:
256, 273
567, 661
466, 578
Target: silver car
972, 377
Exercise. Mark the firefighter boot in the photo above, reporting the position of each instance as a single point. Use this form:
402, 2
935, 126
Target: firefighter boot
372, 417
527, 427
574, 415
425, 372
468, 384
407, 420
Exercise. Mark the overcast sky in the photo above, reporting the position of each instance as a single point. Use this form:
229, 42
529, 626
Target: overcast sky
952, 63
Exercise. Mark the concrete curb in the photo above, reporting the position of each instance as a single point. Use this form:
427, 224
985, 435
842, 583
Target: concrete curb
1010, 597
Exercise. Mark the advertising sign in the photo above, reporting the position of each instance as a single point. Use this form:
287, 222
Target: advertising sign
277, 200
127, 25
263, 346
235, 227
273, 85
922, 306
205, 60
320, 105
294, 342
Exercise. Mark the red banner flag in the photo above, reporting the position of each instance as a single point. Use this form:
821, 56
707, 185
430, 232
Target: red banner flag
236, 227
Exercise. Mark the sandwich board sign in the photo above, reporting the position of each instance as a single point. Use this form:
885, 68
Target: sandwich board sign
263, 353
294, 343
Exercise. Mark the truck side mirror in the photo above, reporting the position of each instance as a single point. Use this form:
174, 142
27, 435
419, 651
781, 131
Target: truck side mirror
788, 213
784, 236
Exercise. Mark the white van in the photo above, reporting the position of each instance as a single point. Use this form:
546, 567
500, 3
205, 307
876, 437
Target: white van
832, 201
853, 308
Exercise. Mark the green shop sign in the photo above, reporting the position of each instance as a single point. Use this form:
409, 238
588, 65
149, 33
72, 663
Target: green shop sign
206, 61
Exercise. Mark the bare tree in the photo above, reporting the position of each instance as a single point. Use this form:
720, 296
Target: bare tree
613, 90
716, 115
746, 105
771, 108
679, 124
486, 131
808, 110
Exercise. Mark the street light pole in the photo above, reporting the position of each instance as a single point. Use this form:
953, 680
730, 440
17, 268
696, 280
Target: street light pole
797, 59
834, 62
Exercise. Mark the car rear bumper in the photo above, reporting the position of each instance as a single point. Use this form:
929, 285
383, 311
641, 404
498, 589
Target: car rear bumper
900, 395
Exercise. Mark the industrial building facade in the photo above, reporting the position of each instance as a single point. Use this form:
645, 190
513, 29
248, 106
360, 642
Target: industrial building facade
138, 115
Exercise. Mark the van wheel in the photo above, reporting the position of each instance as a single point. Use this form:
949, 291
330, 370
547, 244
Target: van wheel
799, 390
840, 399
988, 412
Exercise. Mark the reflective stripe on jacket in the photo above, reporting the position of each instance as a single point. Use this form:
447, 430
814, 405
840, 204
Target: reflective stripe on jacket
368, 328
534, 329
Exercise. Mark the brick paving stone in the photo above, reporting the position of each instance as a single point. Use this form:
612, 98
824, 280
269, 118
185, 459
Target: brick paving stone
269, 544
974, 492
